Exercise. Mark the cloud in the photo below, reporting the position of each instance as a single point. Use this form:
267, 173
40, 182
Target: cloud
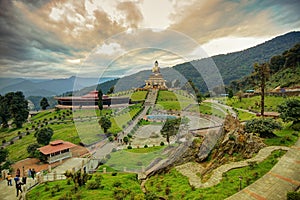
220, 18
133, 15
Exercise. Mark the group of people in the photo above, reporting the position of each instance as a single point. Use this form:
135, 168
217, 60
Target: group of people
18, 180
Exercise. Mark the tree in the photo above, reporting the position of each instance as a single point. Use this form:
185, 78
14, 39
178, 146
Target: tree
125, 139
43, 136
100, 101
170, 128
199, 97
261, 74
111, 90
13, 106
32, 150
3, 155
5, 115
263, 126
230, 93
44, 103
105, 123
290, 111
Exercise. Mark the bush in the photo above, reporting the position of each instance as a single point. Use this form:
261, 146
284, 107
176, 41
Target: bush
162, 143
129, 147
3, 141
114, 150
92, 185
11, 142
20, 136
111, 138
264, 127
114, 174
117, 184
296, 127
293, 196
108, 156
146, 146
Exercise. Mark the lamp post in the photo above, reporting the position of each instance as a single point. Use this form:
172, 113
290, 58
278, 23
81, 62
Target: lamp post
240, 178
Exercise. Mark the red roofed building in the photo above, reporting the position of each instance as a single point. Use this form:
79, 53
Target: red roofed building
57, 150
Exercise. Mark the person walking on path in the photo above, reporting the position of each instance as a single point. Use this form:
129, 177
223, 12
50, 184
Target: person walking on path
32, 173
18, 173
19, 187
9, 178
29, 173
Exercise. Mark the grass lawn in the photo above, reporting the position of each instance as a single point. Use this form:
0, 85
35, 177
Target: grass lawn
252, 103
125, 185
138, 96
174, 185
134, 159
244, 116
145, 150
171, 101
285, 137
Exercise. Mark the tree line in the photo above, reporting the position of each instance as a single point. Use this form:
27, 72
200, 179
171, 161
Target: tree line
13, 106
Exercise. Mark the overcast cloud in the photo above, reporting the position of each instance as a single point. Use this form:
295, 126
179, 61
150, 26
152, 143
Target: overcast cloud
60, 38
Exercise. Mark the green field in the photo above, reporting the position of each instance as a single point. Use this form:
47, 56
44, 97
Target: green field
169, 100
134, 159
139, 96
253, 103
125, 184
179, 187
209, 109
84, 129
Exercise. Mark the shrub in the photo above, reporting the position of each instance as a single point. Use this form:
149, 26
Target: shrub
264, 127
129, 147
92, 185
296, 126
114, 150
3, 141
146, 146
162, 143
293, 196
20, 136
11, 142
27, 133
108, 156
110, 138
117, 184
114, 174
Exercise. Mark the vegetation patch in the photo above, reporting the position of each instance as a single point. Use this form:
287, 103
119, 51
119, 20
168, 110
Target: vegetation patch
120, 186
173, 185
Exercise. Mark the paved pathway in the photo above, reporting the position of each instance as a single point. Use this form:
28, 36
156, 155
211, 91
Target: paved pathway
283, 177
216, 177
9, 192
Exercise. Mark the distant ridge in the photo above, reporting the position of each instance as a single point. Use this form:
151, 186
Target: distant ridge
48, 87
232, 66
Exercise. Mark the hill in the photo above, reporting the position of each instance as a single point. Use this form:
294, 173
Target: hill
284, 72
47, 87
234, 66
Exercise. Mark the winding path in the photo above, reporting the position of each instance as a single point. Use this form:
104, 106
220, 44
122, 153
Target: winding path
191, 169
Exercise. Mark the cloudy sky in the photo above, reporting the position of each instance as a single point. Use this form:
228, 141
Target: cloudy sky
62, 38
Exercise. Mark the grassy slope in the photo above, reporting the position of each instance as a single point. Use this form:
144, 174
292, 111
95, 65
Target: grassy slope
128, 183
86, 131
134, 159
180, 188
171, 101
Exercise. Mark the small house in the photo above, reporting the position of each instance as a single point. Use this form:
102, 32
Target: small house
57, 150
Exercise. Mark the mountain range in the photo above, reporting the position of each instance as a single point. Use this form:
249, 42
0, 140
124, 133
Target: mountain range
232, 66
47, 87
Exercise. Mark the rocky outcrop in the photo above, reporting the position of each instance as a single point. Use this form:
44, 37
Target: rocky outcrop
234, 144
